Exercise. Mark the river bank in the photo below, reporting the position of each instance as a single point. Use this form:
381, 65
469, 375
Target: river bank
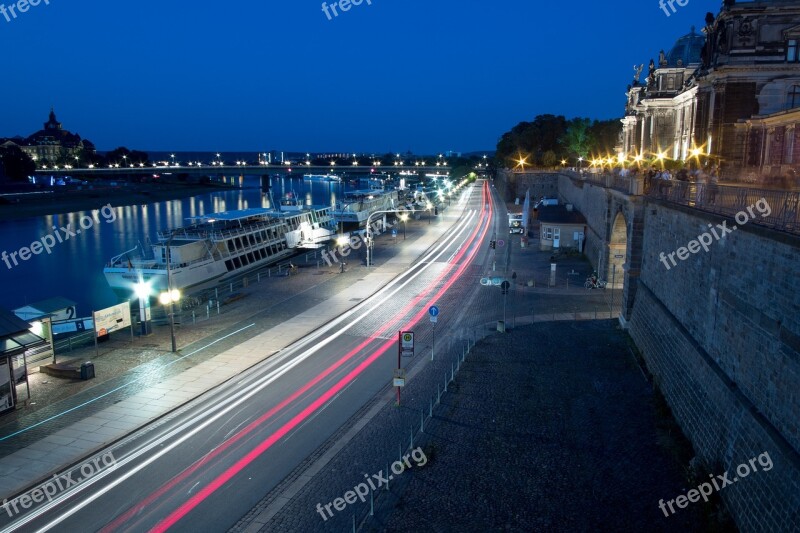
54, 202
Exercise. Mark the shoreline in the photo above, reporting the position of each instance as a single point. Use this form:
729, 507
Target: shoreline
58, 204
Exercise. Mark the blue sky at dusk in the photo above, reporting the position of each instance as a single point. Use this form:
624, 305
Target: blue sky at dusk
257, 75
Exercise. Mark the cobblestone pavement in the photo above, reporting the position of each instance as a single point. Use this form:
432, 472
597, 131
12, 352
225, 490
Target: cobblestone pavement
549, 428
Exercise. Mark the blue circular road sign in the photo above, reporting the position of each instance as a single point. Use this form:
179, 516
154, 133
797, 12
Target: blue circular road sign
434, 311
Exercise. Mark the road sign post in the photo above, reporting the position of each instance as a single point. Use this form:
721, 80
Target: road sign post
405, 348
434, 312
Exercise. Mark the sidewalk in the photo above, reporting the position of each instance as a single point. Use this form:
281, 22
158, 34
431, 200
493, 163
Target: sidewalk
91, 415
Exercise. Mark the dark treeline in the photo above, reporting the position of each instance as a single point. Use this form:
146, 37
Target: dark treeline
549, 139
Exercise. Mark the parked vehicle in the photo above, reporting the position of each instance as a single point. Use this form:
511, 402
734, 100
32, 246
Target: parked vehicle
545, 201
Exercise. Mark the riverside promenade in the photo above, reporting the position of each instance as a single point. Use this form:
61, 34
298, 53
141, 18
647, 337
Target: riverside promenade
140, 381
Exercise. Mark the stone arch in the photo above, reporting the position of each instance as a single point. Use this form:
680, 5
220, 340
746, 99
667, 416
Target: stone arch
618, 250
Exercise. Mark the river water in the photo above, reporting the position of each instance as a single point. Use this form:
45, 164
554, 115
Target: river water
74, 268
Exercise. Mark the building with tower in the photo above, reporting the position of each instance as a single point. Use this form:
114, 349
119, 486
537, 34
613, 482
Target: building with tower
727, 97
52, 144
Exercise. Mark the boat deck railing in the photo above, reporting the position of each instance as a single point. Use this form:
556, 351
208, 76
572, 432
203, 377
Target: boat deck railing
205, 233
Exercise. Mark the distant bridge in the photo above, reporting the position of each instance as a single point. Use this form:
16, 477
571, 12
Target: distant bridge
227, 170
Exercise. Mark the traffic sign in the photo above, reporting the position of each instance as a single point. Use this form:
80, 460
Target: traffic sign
501, 243
486, 282
407, 343
434, 311
505, 286
497, 281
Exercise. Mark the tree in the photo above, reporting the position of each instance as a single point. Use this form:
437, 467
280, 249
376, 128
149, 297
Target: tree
604, 136
15, 164
124, 156
531, 140
576, 138
549, 159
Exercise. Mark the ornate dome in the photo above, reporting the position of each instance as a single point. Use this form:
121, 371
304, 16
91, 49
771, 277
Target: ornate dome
687, 50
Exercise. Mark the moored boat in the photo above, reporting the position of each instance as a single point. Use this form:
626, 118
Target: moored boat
220, 246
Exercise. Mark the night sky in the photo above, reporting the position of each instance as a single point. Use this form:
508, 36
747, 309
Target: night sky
396, 75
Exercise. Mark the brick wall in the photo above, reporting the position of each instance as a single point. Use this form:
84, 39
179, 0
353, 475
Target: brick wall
720, 332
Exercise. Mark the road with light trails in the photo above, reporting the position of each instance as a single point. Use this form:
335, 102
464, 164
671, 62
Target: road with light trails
208, 463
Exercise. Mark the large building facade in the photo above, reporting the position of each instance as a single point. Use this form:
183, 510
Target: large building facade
729, 97
52, 144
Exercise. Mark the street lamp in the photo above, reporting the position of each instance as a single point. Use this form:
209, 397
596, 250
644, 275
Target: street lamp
404, 218
369, 227
142, 291
171, 296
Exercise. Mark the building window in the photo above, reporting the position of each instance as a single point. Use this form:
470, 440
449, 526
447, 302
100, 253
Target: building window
794, 97
548, 233
791, 51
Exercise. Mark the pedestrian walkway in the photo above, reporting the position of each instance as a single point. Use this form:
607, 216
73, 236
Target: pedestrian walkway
37, 445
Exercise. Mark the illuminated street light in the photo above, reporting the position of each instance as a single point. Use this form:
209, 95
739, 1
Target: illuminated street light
404, 218
142, 291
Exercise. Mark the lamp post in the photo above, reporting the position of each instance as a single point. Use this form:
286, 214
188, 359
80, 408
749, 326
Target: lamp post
404, 218
142, 291
369, 237
170, 296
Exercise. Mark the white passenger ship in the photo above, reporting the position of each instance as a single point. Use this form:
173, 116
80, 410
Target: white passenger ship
323, 177
221, 245
357, 206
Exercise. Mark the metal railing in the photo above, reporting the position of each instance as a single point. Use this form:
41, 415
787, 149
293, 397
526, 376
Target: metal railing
781, 212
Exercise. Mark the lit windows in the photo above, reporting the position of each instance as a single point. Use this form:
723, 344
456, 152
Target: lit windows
791, 51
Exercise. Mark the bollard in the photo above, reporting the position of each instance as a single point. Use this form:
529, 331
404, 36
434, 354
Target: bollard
387, 476
430, 408
216, 293
258, 277
354, 523
194, 318
412, 438
400, 450
452, 372
445, 381
217, 306
371, 503
269, 272
438, 393
231, 287
421, 421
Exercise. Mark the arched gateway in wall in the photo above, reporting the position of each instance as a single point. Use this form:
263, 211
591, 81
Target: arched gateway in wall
617, 251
